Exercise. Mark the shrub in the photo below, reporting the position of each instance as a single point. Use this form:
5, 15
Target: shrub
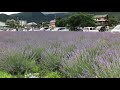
37, 53
17, 63
35, 69
32, 75
52, 63
53, 75
4, 74
82, 67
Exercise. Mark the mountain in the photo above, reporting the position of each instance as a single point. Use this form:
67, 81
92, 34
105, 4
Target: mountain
115, 14
37, 16
53, 12
55, 15
31, 16
40, 17
4, 17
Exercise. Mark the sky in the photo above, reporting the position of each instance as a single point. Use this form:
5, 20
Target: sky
8, 13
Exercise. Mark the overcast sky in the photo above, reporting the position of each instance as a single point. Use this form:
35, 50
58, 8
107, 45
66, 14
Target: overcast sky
8, 13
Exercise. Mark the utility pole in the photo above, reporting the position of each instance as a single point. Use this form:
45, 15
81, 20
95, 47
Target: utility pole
55, 19
17, 23
55, 16
32, 26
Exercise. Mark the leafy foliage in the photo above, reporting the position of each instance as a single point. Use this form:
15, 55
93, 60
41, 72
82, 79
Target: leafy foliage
16, 63
4, 74
113, 21
76, 20
12, 23
60, 22
53, 75
60, 54
80, 20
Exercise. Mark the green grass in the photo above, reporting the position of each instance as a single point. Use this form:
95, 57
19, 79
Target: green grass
4, 74
53, 75
15, 63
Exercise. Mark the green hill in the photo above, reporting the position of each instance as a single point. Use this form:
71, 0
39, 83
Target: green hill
31, 16
40, 17
115, 14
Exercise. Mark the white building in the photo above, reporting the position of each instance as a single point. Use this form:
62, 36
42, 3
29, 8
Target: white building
52, 23
22, 22
2, 25
31, 23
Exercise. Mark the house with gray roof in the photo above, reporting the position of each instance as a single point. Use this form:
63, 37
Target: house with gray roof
101, 20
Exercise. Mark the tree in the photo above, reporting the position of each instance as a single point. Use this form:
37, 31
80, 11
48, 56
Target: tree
80, 20
60, 22
12, 23
113, 21
45, 24
39, 25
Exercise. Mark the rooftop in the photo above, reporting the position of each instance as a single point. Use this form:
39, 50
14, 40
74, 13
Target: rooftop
32, 23
98, 16
52, 21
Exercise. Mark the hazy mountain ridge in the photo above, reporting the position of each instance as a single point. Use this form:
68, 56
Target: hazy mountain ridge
34, 16
40, 17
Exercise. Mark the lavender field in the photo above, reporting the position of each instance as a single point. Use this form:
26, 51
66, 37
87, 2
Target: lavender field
59, 55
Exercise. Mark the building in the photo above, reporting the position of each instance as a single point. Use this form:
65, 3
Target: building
31, 25
22, 22
52, 23
2, 25
101, 20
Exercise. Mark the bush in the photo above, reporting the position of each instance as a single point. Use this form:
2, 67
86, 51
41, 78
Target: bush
17, 63
53, 75
37, 53
32, 75
4, 74
82, 67
35, 69
51, 63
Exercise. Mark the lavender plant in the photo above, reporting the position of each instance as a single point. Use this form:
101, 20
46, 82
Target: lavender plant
72, 54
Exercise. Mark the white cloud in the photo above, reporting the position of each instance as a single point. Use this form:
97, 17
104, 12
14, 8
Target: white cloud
53, 12
8, 13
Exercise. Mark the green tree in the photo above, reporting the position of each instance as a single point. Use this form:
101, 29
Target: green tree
12, 23
45, 24
113, 21
39, 25
60, 22
80, 20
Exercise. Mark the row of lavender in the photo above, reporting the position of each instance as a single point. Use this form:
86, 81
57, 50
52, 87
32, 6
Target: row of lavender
72, 54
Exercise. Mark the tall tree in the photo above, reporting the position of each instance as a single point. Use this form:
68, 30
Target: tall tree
113, 21
12, 23
60, 22
80, 20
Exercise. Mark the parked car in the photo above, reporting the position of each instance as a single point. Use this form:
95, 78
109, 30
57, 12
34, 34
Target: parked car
1, 30
25, 30
49, 29
79, 29
44, 28
30, 29
60, 29
116, 29
90, 29
13, 30
36, 30
101, 28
